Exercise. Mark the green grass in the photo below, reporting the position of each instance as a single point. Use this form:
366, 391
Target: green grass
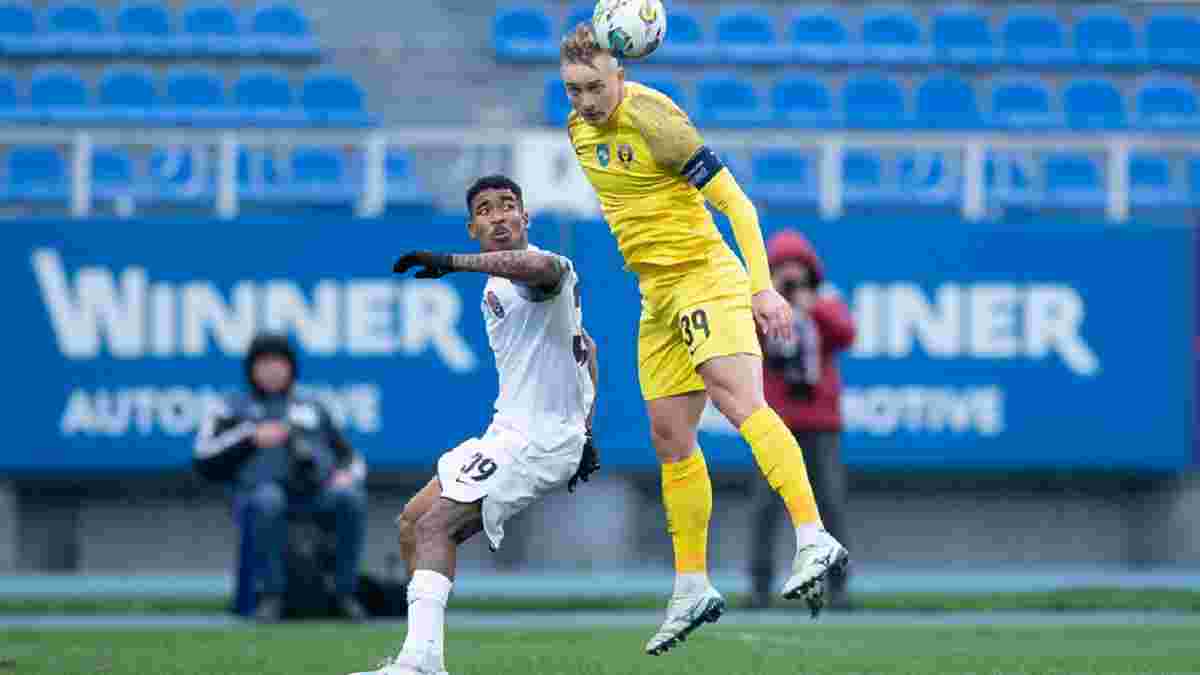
323, 649
1081, 599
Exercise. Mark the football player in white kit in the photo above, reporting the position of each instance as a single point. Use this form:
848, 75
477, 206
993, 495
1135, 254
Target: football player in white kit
540, 436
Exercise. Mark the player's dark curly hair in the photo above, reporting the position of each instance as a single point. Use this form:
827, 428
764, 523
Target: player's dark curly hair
494, 182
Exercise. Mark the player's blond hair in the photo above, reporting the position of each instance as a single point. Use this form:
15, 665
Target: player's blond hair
580, 46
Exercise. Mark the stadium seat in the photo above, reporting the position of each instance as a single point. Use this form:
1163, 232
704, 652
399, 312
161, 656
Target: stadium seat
1023, 104
1093, 104
1150, 181
18, 29
1072, 180
78, 29
11, 109
264, 96
892, 35
1194, 179
257, 176
947, 101
1167, 103
403, 187
36, 173
1171, 39
58, 95
1007, 177
728, 101
1034, 37
112, 173
1105, 37
555, 104
128, 95
209, 28
802, 102
873, 101
685, 41
932, 178
319, 175
173, 176
333, 98
280, 29
144, 28
783, 177
669, 86
523, 34
862, 176
195, 88
961, 35
818, 36
746, 35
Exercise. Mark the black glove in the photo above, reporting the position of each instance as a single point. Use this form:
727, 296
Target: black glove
588, 465
433, 265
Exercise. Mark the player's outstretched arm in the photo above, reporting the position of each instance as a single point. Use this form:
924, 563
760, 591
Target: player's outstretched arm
593, 372
589, 462
532, 268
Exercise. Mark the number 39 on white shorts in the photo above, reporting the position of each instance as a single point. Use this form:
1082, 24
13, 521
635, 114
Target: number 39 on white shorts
468, 472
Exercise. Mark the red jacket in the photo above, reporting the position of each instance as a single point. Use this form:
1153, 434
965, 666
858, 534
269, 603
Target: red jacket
826, 329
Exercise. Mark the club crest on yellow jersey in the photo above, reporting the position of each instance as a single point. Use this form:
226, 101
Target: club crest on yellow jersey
625, 154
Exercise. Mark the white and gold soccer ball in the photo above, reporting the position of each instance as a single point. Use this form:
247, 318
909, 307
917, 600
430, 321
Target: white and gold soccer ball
630, 28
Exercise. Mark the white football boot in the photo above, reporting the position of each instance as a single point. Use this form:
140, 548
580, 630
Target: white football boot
689, 609
428, 663
811, 568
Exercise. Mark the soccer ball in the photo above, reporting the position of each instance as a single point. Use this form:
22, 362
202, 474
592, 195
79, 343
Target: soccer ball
630, 28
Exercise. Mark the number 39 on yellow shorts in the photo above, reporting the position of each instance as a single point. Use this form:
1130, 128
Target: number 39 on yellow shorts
689, 316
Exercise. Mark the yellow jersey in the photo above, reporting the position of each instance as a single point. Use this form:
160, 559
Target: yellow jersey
640, 162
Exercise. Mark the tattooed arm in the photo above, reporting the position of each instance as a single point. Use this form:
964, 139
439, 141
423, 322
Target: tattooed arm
535, 269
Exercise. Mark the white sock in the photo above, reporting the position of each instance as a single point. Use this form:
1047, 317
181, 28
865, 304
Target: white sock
428, 592
690, 583
809, 534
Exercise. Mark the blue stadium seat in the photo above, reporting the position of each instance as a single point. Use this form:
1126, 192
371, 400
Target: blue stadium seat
264, 97
145, 28
333, 98
1034, 37
1167, 103
210, 28
892, 35
1072, 180
577, 15
112, 174
961, 35
280, 29
319, 175
1023, 104
1093, 104
58, 95
18, 29
947, 101
784, 177
873, 101
819, 36
1007, 177
173, 176
129, 95
862, 176
36, 173
1171, 39
728, 101
932, 178
1194, 179
196, 96
685, 41
802, 102
1105, 37
11, 109
78, 29
523, 34
746, 35
257, 177
555, 104
403, 186
669, 86
1150, 182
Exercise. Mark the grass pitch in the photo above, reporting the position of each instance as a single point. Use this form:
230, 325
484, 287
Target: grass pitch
724, 649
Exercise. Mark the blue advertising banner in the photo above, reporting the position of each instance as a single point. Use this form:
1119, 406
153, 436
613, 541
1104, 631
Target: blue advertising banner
977, 348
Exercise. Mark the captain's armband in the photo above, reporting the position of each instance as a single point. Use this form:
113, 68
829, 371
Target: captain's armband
702, 167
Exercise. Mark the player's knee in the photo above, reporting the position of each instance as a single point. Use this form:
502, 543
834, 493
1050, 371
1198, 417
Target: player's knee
736, 403
672, 441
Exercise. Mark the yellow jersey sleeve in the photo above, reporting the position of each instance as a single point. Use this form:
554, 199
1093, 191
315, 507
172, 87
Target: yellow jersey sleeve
668, 132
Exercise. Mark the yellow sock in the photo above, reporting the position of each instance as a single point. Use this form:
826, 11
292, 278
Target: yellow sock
687, 498
782, 464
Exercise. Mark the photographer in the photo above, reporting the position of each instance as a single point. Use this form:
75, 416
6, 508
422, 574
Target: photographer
803, 385
282, 455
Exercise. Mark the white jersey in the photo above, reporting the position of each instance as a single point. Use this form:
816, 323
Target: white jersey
537, 337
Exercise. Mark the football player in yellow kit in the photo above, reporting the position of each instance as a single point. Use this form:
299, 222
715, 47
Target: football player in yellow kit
697, 335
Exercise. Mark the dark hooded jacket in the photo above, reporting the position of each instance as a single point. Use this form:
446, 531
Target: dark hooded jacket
225, 450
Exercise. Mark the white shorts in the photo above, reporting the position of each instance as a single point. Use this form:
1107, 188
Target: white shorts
507, 471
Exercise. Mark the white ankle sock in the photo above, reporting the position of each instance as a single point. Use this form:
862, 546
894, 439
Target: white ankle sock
428, 592
808, 534
690, 583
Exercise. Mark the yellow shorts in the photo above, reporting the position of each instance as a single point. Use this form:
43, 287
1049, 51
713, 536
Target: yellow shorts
690, 314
